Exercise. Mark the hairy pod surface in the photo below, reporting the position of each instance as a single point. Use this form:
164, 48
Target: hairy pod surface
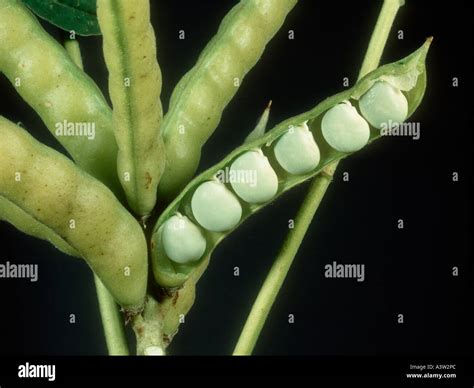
408, 75
202, 94
68, 101
78, 209
135, 87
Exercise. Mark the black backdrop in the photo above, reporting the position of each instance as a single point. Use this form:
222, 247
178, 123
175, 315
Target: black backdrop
408, 271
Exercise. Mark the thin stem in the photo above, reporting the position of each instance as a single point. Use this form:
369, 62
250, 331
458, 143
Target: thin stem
379, 36
269, 291
277, 274
112, 321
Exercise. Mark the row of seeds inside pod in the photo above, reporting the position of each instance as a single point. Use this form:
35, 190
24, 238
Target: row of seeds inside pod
217, 209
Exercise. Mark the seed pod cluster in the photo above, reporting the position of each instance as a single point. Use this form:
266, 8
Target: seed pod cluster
253, 175
73, 210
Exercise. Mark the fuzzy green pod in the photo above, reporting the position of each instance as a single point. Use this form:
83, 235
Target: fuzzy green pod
296, 151
384, 105
215, 207
203, 93
135, 87
77, 208
409, 73
68, 101
254, 181
344, 128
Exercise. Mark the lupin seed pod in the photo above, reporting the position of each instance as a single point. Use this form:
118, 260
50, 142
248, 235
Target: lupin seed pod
384, 105
296, 151
203, 93
134, 86
344, 128
78, 209
215, 208
409, 74
68, 101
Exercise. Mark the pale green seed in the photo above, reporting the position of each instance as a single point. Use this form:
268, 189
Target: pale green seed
253, 178
215, 207
182, 241
296, 150
384, 106
344, 129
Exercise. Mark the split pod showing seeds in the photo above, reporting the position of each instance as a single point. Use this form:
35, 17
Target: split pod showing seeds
273, 155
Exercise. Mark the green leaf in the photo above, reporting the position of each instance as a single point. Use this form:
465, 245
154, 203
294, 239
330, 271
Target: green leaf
70, 15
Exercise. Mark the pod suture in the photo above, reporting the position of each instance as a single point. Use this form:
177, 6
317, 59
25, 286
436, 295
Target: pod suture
135, 87
407, 75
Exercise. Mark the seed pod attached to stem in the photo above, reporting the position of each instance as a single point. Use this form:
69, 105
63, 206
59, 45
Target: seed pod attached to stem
277, 172
135, 86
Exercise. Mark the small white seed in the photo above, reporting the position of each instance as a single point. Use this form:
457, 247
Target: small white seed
383, 105
182, 241
215, 207
296, 150
344, 129
254, 181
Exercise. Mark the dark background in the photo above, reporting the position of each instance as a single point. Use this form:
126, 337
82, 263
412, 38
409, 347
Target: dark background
408, 271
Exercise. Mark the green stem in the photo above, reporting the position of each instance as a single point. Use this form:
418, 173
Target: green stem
277, 274
380, 35
112, 320
275, 278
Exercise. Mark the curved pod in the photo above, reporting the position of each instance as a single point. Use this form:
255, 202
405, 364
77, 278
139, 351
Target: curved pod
78, 208
169, 275
68, 101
